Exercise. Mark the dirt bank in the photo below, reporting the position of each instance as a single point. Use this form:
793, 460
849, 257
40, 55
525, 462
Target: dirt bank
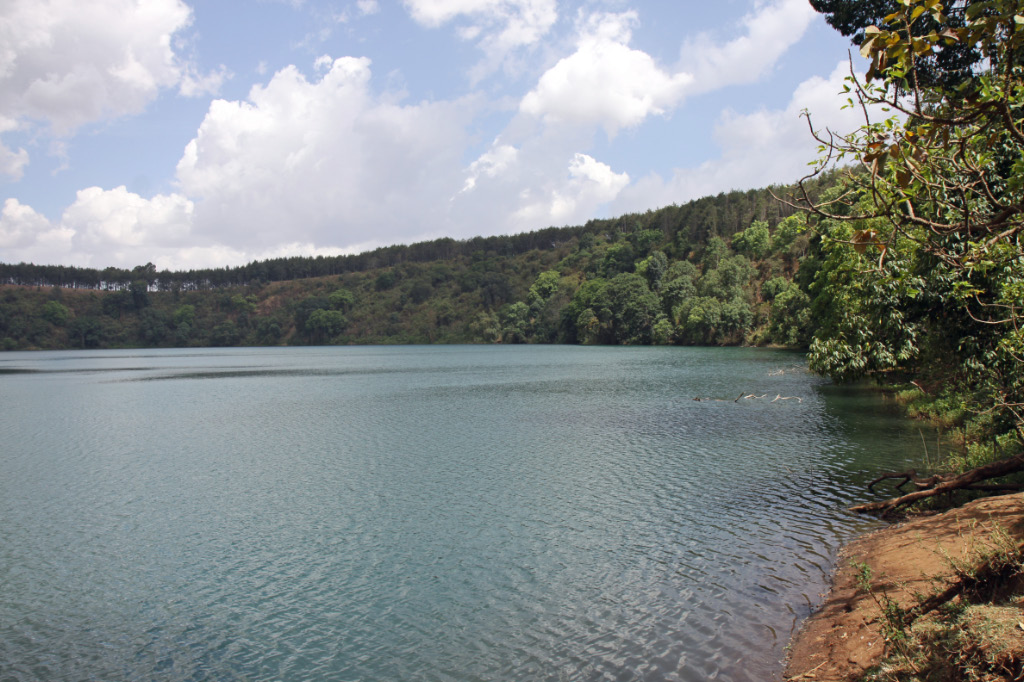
843, 639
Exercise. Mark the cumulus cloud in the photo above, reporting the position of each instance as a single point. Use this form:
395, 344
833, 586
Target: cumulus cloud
108, 220
573, 198
758, 148
605, 82
769, 33
101, 227
66, 63
27, 236
120, 228
324, 161
490, 164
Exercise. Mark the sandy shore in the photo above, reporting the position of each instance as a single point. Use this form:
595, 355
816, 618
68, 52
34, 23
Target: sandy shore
843, 638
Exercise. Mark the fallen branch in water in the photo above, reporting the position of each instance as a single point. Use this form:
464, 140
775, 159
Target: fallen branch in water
747, 396
936, 485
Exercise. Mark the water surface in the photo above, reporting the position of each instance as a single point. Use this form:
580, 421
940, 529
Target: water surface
422, 513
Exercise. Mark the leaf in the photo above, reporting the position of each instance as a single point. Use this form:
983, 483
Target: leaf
865, 48
862, 239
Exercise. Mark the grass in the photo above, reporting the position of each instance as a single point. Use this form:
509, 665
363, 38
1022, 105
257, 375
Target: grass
976, 637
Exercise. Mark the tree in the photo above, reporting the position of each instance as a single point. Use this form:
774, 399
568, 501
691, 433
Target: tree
634, 308
790, 317
513, 321
85, 332
153, 326
755, 241
55, 313
140, 293
653, 269
341, 299
924, 261
323, 325
542, 288
950, 66
225, 334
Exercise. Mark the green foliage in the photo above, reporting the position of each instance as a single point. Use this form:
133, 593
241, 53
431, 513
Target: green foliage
923, 268
56, 313
618, 258
139, 290
513, 321
644, 240
543, 287
385, 280
153, 327
184, 315
626, 280
787, 232
715, 250
754, 242
85, 332
225, 334
634, 309
790, 318
341, 299
323, 325
653, 269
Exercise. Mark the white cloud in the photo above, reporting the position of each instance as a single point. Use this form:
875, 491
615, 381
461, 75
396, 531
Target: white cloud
511, 190
770, 32
195, 84
27, 236
120, 228
111, 220
12, 163
324, 161
328, 162
501, 25
368, 7
574, 197
758, 148
605, 82
21, 226
68, 62
491, 164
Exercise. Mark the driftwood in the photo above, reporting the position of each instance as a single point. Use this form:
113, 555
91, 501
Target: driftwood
936, 485
748, 396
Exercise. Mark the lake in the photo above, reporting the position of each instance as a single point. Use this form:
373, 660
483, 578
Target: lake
423, 513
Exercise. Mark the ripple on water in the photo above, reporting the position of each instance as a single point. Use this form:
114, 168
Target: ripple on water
436, 514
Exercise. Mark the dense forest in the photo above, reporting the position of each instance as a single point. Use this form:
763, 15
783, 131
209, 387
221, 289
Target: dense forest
719, 270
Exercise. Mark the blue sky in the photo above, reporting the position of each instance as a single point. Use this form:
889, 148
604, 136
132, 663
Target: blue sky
213, 132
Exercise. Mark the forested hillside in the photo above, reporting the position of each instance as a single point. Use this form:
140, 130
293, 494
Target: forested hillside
731, 269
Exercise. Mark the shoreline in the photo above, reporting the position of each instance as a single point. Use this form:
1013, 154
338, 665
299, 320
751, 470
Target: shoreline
842, 639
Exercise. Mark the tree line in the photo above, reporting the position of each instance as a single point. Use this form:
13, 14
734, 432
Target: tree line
722, 215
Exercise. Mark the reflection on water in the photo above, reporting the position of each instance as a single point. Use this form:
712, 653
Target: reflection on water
435, 513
